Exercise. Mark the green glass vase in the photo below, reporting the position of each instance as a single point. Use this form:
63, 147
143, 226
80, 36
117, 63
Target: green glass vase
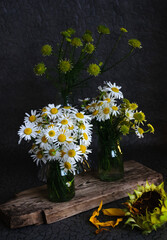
60, 184
110, 164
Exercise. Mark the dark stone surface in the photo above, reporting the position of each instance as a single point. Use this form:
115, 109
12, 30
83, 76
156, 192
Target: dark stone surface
27, 25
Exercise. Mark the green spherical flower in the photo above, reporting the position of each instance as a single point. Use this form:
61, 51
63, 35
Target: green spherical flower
139, 116
89, 48
87, 37
133, 106
147, 207
76, 42
150, 128
40, 69
94, 69
46, 50
68, 32
124, 129
65, 66
103, 29
135, 43
123, 30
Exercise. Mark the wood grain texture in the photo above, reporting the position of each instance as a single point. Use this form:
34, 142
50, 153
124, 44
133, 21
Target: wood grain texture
31, 207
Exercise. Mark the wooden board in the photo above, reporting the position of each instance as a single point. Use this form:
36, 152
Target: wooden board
31, 207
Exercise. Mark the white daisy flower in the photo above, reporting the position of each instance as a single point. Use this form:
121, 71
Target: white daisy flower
33, 149
65, 121
39, 157
129, 114
114, 90
115, 110
52, 111
84, 150
63, 138
69, 109
86, 139
33, 117
51, 133
52, 153
27, 131
85, 127
104, 114
139, 132
42, 140
81, 116
73, 152
68, 165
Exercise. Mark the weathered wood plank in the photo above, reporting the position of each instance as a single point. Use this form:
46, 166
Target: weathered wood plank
31, 207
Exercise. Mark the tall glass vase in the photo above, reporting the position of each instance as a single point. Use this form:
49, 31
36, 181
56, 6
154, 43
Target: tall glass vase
60, 184
110, 162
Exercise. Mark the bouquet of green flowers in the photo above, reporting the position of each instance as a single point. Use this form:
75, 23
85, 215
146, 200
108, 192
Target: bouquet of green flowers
73, 59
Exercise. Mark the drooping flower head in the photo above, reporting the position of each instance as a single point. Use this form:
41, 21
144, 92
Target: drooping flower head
134, 43
147, 207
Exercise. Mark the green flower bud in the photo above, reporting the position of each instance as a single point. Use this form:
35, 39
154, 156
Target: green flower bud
76, 42
65, 66
89, 48
123, 30
135, 43
94, 69
46, 50
40, 69
103, 29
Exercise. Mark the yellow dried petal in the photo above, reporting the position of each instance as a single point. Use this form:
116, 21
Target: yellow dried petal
115, 212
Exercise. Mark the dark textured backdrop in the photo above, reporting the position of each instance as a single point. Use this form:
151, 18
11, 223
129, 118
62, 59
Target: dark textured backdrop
26, 25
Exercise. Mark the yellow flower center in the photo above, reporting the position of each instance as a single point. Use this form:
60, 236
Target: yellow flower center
67, 165
39, 155
44, 110
79, 115
87, 107
64, 122
67, 107
33, 146
140, 130
71, 153
51, 125
115, 108
52, 133
62, 153
52, 152
95, 113
100, 104
44, 139
38, 131
61, 138
27, 131
85, 136
82, 126
106, 110
108, 100
45, 114
93, 105
114, 89
32, 118
82, 148
54, 111
71, 128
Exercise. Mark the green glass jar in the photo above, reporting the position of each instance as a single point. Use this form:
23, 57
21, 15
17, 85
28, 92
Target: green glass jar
110, 164
59, 183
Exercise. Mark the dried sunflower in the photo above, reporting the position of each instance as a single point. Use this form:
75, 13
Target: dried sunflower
147, 207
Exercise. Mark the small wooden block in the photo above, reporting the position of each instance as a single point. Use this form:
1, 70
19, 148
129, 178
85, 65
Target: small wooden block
32, 207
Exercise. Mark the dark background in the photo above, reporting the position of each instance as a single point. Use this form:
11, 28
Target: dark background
26, 25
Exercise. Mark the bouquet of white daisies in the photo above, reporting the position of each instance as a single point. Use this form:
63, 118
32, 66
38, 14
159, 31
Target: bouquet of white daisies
111, 111
58, 133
